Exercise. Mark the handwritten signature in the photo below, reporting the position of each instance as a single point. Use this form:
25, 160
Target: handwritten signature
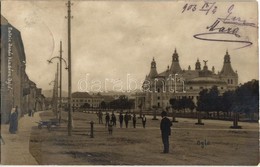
229, 31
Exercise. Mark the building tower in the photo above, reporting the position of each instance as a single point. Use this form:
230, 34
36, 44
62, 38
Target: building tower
153, 72
197, 65
175, 67
227, 73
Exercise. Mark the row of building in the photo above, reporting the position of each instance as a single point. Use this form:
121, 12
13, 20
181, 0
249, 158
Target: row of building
174, 82
79, 99
16, 87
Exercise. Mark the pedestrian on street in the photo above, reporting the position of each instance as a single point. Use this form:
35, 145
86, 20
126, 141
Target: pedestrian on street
33, 112
30, 112
113, 117
134, 120
110, 127
100, 117
121, 119
107, 119
144, 121
126, 118
165, 131
14, 120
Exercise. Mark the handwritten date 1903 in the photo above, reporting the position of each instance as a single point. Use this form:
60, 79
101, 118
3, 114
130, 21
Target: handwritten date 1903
206, 7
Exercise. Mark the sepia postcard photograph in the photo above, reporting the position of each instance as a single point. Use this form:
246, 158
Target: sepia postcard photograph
128, 82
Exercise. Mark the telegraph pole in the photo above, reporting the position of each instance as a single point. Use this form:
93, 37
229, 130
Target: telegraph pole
60, 81
69, 66
57, 89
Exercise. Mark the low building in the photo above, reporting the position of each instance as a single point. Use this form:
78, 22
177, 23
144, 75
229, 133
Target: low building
79, 99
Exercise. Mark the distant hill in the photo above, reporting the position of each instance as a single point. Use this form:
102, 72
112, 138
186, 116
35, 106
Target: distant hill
49, 93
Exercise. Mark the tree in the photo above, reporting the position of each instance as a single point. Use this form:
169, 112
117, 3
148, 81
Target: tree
154, 107
202, 105
175, 106
212, 101
103, 105
190, 104
247, 98
85, 105
227, 101
122, 103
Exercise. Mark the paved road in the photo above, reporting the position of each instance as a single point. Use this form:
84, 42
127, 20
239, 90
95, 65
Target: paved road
15, 151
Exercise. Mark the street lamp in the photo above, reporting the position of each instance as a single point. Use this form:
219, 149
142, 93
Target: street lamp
66, 67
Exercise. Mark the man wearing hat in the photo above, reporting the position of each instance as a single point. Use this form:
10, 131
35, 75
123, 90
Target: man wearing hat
166, 131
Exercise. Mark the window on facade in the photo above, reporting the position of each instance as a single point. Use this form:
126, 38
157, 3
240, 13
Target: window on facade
191, 87
158, 90
201, 87
158, 98
221, 87
228, 81
158, 104
231, 81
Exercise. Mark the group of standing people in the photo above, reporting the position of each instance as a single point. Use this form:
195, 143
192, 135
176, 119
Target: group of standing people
128, 117
122, 119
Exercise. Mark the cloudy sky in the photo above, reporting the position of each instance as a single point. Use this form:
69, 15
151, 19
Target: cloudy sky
115, 39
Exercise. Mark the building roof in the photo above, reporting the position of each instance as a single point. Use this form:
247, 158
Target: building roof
153, 72
80, 95
175, 67
206, 80
227, 69
3, 20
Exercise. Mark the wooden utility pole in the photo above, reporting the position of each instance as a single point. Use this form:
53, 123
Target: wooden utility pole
69, 69
60, 81
57, 90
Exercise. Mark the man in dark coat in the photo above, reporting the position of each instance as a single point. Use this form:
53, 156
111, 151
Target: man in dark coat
14, 121
126, 118
107, 119
144, 121
166, 131
121, 119
134, 120
113, 118
100, 117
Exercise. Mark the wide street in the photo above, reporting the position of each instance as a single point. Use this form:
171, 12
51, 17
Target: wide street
211, 144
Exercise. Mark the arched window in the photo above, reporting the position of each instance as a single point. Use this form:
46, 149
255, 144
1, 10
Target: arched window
231, 81
228, 81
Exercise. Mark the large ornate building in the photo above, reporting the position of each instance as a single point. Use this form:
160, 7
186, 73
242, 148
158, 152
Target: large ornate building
174, 82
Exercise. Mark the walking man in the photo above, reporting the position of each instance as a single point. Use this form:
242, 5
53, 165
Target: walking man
100, 115
134, 120
121, 118
107, 119
14, 120
113, 118
165, 131
126, 119
144, 121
